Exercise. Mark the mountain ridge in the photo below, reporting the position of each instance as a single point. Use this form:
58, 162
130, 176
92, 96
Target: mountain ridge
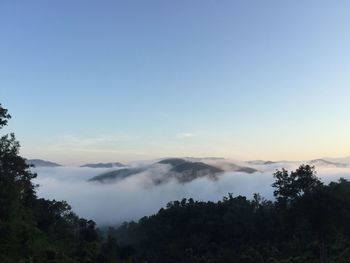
42, 163
180, 169
103, 165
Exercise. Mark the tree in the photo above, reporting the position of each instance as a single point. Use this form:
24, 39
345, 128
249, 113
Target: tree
309, 206
16, 187
291, 186
40, 230
17, 193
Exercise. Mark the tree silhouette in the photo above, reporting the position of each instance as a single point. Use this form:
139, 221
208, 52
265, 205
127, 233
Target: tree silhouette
39, 230
290, 186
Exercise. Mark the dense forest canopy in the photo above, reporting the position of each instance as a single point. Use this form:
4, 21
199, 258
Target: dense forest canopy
307, 222
33, 229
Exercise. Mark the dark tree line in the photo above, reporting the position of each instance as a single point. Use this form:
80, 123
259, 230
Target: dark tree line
33, 229
307, 222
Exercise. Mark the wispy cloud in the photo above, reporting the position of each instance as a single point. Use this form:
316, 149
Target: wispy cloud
91, 140
185, 135
75, 141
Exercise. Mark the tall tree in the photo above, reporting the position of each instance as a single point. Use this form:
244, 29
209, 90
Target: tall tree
17, 193
39, 230
291, 186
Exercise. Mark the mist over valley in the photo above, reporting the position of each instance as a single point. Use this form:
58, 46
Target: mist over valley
130, 191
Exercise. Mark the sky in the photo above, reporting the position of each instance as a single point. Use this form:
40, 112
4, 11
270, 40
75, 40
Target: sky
128, 80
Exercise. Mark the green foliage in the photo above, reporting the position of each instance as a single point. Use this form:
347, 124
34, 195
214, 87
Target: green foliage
289, 187
39, 230
4, 116
307, 223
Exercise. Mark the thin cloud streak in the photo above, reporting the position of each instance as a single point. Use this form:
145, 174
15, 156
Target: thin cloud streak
185, 135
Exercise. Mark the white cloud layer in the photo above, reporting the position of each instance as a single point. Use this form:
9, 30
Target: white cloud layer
136, 196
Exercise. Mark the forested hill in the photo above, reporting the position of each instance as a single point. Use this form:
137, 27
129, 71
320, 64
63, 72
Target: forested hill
307, 222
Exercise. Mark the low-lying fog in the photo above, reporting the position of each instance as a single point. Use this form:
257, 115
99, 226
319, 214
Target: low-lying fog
136, 196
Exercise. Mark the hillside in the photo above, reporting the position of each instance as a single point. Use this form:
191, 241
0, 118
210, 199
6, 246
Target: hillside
182, 170
324, 162
41, 163
103, 165
116, 174
237, 229
187, 171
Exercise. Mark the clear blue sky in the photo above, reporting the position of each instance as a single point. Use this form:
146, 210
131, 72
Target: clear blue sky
125, 80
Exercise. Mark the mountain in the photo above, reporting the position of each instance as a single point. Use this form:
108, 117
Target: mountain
345, 160
187, 171
117, 174
103, 165
262, 162
173, 161
181, 169
231, 167
327, 163
42, 163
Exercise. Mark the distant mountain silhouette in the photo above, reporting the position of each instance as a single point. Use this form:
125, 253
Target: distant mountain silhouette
103, 165
117, 174
268, 162
327, 163
187, 171
345, 160
261, 162
42, 163
335, 162
180, 169
231, 167
173, 161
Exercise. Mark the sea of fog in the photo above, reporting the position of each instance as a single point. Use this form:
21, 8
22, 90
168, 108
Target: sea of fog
136, 196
